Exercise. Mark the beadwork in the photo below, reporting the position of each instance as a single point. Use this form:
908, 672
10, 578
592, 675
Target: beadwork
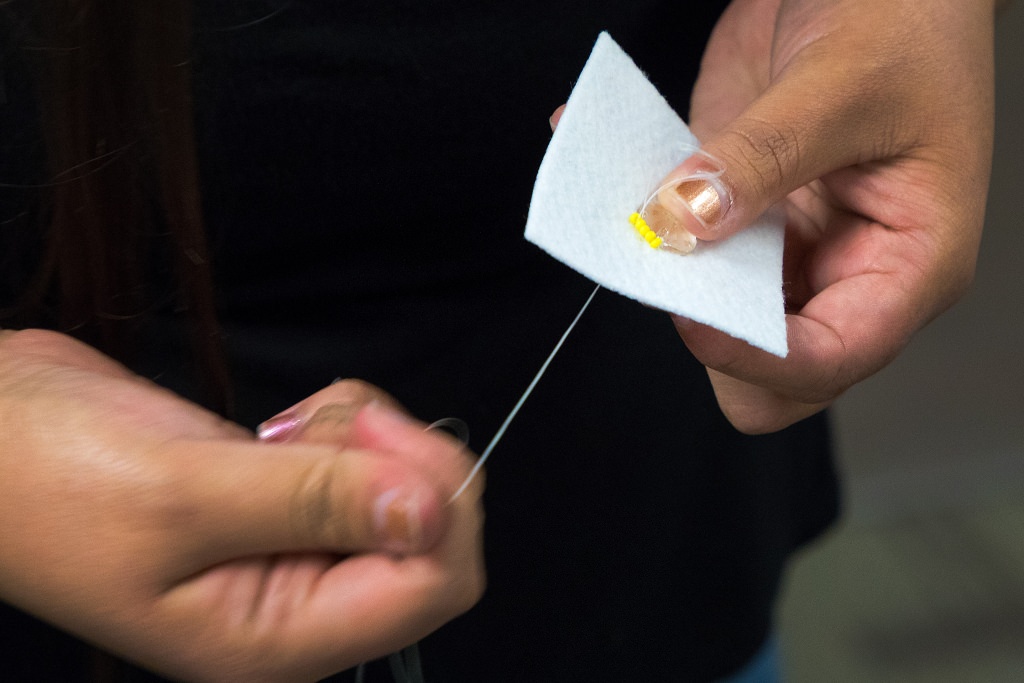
645, 231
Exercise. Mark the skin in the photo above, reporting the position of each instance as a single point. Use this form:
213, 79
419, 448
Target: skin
164, 534
871, 120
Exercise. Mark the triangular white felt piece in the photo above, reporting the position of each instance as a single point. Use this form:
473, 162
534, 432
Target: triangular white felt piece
616, 140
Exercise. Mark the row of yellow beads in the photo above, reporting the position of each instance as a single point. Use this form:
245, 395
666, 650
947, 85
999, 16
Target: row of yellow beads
645, 230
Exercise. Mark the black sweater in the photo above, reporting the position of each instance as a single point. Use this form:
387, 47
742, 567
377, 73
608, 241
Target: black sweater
367, 167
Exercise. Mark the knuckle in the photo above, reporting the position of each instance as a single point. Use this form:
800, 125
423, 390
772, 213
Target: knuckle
312, 512
827, 372
353, 392
823, 386
332, 415
357, 393
765, 151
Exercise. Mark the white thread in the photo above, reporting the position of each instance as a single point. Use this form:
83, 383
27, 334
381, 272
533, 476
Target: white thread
253, 22
522, 399
406, 666
453, 425
712, 177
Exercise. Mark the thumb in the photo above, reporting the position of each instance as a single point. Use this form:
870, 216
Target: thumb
248, 498
784, 139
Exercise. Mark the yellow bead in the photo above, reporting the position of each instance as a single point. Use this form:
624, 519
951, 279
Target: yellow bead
645, 231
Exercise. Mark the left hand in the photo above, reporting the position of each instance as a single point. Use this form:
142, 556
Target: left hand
871, 121
159, 532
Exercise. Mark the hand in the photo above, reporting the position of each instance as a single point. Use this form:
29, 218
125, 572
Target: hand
149, 526
871, 120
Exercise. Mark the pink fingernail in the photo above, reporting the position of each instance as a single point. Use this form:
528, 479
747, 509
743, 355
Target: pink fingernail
280, 428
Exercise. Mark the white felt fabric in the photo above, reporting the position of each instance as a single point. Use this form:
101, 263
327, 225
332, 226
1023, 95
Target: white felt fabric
616, 140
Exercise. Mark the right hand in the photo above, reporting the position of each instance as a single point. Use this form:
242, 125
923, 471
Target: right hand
162, 533
840, 112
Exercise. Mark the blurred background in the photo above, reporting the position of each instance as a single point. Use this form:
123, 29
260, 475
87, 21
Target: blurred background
923, 580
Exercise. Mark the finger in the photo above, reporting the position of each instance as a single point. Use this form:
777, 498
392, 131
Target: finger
326, 614
383, 430
329, 417
322, 613
233, 498
790, 135
326, 416
397, 603
758, 392
556, 117
307, 617
843, 335
331, 423
392, 604
753, 409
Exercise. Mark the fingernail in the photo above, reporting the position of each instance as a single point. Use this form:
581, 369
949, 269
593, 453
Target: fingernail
555, 117
683, 323
280, 428
701, 195
665, 225
398, 521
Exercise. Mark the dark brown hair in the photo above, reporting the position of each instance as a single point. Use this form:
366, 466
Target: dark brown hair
122, 202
